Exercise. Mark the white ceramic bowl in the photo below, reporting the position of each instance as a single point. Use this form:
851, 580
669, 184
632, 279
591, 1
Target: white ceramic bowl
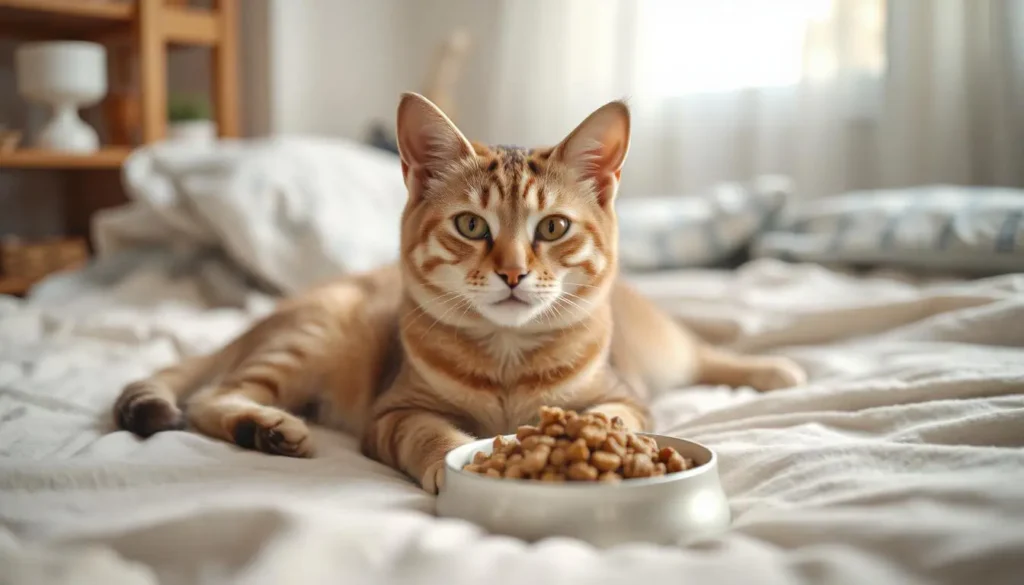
671, 509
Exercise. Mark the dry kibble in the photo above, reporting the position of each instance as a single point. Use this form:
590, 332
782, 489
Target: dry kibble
593, 435
526, 431
676, 462
551, 475
642, 466
549, 415
497, 461
578, 451
582, 471
558, 457
574, 426
605, 461
530, 443
664, 453
612, 445
554, 430
536, 459
568, 446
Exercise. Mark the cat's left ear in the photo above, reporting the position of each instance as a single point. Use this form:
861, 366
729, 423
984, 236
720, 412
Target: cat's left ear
597, 148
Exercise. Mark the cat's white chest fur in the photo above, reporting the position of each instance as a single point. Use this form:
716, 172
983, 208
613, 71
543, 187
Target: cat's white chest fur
508, 348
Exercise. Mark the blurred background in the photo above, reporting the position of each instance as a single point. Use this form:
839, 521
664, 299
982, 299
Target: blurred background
837, 95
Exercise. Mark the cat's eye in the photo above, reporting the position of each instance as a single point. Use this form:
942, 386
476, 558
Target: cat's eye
472, 226
552, 228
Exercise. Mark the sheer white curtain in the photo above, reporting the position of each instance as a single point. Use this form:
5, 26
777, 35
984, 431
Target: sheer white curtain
838, 94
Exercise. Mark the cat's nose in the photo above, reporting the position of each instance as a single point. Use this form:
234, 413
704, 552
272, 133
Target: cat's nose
512, 276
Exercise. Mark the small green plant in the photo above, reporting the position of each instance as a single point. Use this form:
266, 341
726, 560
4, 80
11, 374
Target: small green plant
186, 108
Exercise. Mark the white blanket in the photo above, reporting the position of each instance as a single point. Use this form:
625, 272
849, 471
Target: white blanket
900, 462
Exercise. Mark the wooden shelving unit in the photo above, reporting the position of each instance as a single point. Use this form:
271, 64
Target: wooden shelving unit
149, 29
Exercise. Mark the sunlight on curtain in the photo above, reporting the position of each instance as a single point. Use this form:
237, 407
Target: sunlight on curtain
691, 46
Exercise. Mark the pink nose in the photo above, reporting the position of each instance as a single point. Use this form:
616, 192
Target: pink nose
512, 276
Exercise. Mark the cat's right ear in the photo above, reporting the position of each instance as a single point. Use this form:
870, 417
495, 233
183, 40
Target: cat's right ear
427, 140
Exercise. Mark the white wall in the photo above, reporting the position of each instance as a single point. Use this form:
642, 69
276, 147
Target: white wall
331, 67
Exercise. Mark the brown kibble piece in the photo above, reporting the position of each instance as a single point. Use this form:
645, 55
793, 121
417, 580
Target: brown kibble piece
514, 472
497, 461
618, 424
513, 459
642, 466
664, 453
551, 415
551, 475
582, 471
659, 469
536, 459
563, 442
593, 435
605, 461
533, 441
578, 451
474, 467
554, 430
493, 473
612, 445
479, 458
676, 463
610, 477
574, 426
526, 431
558, 456
601, 417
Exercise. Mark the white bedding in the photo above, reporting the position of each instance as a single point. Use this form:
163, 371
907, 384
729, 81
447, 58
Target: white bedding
900, 462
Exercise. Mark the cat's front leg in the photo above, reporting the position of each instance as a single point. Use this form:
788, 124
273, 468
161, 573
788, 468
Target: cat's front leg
413, 441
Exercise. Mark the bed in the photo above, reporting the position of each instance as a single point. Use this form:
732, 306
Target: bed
900, 462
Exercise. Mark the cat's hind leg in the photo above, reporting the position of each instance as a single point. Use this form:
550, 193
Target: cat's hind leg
763, 373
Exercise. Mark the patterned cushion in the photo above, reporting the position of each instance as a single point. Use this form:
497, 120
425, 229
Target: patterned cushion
691, 231
977, 230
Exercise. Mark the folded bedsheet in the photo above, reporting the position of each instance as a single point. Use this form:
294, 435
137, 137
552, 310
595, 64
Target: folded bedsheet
900, 462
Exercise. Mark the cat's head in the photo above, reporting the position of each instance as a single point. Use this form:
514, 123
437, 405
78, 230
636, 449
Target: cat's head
506, 236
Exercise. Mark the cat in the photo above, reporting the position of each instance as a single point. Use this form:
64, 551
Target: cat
506, 298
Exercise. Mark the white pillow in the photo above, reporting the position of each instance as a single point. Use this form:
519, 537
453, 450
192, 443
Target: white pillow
684, 231
976, 230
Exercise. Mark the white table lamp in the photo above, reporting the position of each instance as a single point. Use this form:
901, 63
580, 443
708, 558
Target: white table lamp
66, 75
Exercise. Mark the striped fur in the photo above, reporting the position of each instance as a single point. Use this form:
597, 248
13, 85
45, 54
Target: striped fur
463, 337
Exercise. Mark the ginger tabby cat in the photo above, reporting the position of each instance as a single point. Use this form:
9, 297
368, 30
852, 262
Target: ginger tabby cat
506, 298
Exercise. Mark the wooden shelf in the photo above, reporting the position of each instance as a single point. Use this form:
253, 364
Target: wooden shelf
28, 158
70, 19
98, 9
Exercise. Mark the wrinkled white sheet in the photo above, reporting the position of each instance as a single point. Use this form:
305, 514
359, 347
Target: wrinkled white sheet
900, 462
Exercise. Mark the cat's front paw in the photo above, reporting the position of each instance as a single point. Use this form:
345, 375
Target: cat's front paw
775, 373
433, 478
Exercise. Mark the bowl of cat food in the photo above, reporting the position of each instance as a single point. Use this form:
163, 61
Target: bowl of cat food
585, 476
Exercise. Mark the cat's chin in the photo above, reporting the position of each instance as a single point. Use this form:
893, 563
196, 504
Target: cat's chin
511, 312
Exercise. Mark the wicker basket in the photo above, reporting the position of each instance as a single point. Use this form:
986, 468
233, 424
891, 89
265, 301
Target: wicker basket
34, 260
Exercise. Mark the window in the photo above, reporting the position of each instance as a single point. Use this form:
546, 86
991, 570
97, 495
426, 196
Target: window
700, 46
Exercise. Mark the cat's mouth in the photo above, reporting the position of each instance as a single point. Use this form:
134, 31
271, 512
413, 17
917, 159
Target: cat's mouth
511, 301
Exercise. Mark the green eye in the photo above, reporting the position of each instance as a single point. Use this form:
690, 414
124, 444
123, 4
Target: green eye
472, 226
552, 228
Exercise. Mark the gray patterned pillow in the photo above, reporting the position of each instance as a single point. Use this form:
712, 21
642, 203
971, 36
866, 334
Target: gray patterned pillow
699, 230
977, 230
